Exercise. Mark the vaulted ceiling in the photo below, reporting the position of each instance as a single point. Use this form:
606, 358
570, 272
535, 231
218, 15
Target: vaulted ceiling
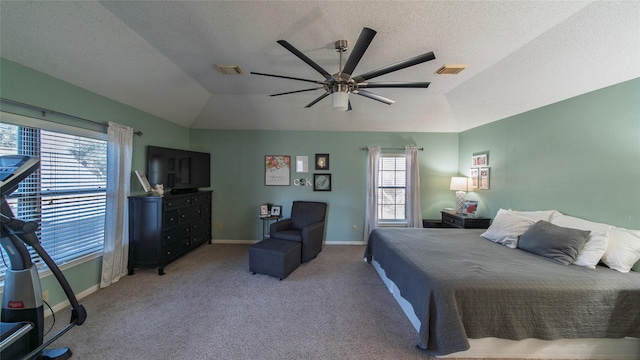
160, 57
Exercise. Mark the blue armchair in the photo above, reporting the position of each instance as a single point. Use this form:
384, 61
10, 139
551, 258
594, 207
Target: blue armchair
306, 226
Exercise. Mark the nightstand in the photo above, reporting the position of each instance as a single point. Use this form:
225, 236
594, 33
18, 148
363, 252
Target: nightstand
464, 221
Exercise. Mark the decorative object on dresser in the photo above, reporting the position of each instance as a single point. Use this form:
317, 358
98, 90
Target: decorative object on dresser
464, 221
460, 185
161, 229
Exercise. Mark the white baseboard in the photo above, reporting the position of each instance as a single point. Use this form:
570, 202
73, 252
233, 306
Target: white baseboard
59, 306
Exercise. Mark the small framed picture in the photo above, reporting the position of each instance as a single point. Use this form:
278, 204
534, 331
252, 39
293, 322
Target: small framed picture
470, 207
264, 210
483, 180
480, 160
322, 161
473, 174
321, 182
276, 210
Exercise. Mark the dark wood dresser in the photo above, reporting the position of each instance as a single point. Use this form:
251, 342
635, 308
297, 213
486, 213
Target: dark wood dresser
161, 229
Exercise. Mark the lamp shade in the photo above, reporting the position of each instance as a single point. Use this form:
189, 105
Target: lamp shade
340, 101
459, 183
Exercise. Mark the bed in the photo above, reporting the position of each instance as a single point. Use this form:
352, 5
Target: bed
461, 286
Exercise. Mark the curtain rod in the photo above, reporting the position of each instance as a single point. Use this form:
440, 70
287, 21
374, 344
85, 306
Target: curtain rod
365, 148
45, 111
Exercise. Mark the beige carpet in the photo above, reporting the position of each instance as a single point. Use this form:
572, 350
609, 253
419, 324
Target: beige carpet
209, 306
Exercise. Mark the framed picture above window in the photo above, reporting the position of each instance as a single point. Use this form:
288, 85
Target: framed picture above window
321, 182
322, 161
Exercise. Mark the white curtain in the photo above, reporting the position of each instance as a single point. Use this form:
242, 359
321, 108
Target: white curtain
371, 211
414, 211
116, 242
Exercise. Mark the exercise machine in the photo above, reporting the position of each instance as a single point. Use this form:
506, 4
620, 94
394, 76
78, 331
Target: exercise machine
22, 317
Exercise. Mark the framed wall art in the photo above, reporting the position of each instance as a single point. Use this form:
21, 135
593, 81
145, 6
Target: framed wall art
322, 161
321, 182
480, 160
277, 170
473, 174
484, 178
302, 164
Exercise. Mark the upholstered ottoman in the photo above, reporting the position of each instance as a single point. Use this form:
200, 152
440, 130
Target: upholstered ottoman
275, 257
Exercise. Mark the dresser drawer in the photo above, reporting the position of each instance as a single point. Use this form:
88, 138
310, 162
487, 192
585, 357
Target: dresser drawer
176, 234
449, 220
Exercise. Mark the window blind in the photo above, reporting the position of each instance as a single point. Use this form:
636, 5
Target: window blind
392, 187
66, 196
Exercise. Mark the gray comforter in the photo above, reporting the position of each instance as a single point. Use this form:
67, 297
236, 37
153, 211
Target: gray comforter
462, 286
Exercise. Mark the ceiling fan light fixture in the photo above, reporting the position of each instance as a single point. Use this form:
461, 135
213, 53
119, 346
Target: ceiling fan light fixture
340, 101
340, 96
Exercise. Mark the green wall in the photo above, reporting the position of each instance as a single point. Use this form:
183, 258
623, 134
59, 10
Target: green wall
580, 156
238, 175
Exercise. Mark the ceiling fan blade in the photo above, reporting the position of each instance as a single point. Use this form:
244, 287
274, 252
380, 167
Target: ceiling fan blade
297, 91
395, 84
318, 99
304, 58
373, 96
395, 67
288, 77
358, 50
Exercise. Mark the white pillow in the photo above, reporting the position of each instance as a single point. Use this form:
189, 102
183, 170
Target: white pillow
581, 224
507, 227
545, 215
591, 252
623, 250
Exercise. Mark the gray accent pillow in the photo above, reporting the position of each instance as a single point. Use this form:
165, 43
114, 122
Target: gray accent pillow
554, 242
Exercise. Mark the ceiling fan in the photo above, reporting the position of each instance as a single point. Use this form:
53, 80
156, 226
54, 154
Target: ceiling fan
342, 83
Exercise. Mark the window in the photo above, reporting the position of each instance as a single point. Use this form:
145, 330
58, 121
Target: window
392, 175
67, 196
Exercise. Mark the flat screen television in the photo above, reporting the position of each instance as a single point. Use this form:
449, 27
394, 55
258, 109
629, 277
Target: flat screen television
178, 170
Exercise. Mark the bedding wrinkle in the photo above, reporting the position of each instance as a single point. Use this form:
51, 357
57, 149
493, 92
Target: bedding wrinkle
463, 286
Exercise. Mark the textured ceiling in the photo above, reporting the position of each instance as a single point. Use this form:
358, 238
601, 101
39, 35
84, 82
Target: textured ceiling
160, 56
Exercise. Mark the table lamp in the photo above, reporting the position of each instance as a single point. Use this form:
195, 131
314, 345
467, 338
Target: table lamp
461, 185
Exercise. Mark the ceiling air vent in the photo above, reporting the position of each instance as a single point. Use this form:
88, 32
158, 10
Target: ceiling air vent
230, 69
450, 69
